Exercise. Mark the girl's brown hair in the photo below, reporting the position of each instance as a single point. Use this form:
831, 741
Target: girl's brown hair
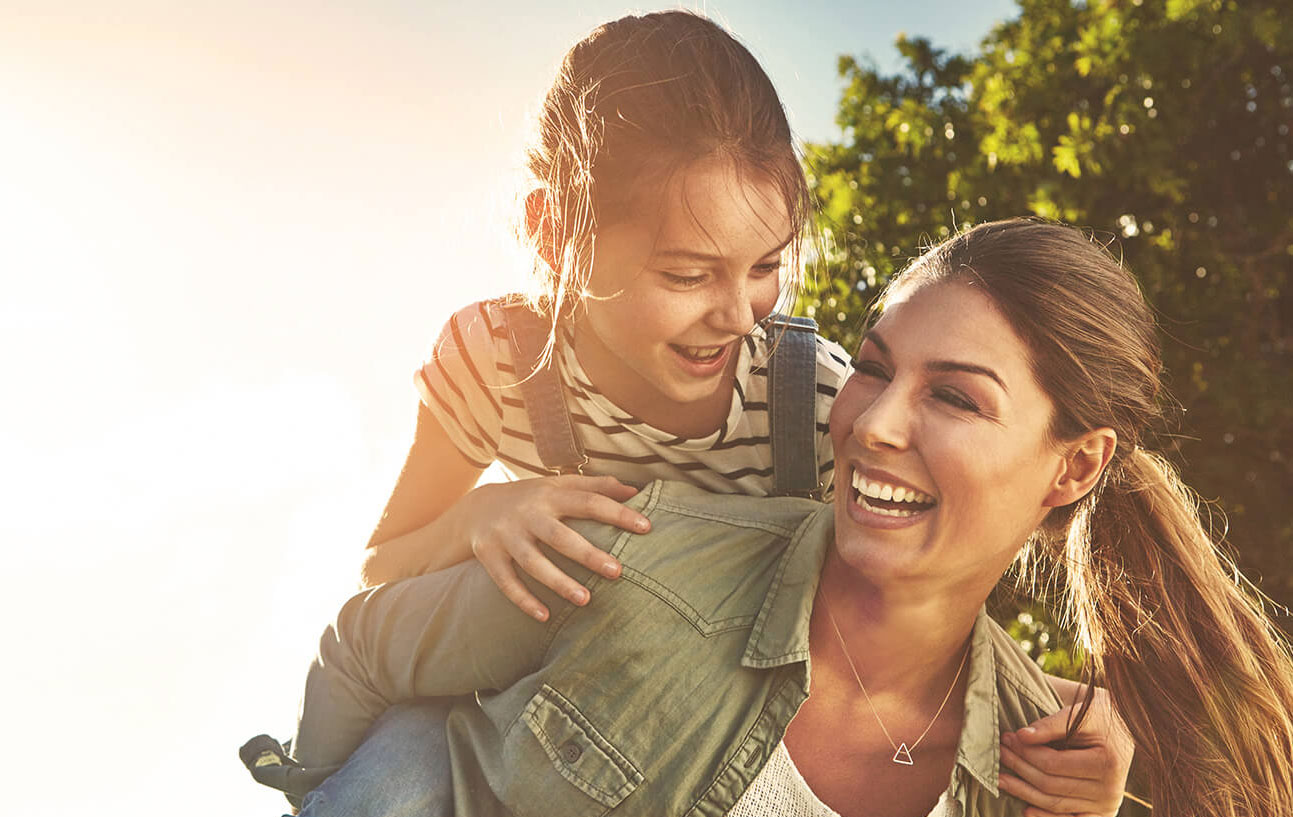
1199, 673
635, 102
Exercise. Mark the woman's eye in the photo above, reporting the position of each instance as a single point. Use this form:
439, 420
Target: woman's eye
770, 268
869, 368
955, 399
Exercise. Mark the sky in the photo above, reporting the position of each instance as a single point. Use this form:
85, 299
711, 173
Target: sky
229, 232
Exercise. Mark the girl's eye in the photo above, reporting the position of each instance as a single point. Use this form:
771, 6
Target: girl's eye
869, 368
956, 399
770, 268
682, 280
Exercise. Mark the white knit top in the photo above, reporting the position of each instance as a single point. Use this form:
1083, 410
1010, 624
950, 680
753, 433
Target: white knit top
780, 790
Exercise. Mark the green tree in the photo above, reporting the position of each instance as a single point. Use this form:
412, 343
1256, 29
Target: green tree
1163, 126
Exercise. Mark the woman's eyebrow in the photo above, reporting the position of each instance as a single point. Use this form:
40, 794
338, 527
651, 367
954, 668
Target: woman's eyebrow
874, 336
972, 368
941, 365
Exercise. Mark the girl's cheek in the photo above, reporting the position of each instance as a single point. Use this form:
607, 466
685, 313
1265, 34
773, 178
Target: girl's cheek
765, 300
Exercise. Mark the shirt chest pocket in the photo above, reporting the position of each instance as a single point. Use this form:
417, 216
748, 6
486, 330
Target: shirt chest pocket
579, 753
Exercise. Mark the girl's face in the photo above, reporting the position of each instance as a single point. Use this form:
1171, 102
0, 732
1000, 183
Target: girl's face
676, 287
943, 463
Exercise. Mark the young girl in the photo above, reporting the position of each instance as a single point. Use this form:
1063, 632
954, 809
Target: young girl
670, 199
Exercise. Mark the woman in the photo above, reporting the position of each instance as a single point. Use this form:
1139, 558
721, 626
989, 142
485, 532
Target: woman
997, 407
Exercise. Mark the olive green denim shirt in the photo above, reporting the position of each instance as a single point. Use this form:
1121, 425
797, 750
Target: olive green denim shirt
665, 695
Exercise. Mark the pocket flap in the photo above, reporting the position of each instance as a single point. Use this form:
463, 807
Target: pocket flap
577, 750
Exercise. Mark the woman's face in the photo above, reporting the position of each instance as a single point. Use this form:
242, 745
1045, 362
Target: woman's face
676, 287
943, 464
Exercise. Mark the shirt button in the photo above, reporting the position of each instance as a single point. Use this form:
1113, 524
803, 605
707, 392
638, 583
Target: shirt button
570, 752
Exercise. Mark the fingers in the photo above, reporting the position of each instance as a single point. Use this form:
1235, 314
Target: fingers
1057, 782
540, 567
608, 486
565, 541
1088, 763
1033, 811
515, 518
599, 499
1050, 728
1037, 799
499, 567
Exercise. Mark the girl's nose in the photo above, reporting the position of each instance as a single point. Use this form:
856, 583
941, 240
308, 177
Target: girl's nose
733, 313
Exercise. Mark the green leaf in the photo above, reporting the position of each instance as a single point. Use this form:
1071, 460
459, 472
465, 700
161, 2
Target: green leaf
1178, 9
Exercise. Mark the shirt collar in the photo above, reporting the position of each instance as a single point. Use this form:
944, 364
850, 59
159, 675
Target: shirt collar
780, 637
780, 634
979, 750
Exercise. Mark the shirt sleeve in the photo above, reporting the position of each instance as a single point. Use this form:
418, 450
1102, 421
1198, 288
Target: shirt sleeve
446, 633
452, 632
460, 383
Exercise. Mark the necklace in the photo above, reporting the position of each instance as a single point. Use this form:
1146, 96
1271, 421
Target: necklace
901, 751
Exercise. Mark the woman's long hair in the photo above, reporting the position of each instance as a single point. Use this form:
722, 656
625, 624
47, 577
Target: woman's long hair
1196, 669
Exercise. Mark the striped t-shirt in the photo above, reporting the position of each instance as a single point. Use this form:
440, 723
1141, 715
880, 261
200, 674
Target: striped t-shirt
469, 386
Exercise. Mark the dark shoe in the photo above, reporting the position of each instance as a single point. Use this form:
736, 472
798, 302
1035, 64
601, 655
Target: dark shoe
270, 765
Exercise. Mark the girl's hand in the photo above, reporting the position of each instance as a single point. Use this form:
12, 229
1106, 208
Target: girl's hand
506, 522
1087, 779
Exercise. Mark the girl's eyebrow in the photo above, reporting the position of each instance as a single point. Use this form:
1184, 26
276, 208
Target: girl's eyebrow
682, 254
941, 365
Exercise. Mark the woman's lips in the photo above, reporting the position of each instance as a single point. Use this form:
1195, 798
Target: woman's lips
878, 500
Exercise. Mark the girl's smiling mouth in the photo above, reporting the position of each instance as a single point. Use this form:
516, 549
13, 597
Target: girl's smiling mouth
703, 361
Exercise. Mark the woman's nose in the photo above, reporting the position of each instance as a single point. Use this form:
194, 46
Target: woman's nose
885, 423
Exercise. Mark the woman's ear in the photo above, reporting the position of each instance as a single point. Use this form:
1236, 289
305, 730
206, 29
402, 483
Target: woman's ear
1084, 461
541, 225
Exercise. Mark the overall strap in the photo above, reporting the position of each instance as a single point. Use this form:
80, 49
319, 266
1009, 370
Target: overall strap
545, 401
792, 405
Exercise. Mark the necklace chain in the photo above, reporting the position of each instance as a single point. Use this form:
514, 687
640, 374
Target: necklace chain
901, 752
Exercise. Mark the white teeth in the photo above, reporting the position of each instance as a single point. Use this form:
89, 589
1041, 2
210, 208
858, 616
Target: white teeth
889, 511
894, 493
701, 352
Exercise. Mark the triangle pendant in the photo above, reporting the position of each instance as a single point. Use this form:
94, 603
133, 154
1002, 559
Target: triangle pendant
903, 756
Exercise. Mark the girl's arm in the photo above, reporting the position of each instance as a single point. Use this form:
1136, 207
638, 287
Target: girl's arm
435, 519
1089, 777
448, 633
435, 476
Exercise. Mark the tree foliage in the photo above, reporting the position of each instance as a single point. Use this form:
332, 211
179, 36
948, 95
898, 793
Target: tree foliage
1161, 126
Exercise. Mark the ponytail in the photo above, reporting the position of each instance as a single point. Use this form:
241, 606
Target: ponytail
1197, 671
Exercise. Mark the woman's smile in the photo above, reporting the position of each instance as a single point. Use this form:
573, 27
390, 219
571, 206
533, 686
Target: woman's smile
879, 499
